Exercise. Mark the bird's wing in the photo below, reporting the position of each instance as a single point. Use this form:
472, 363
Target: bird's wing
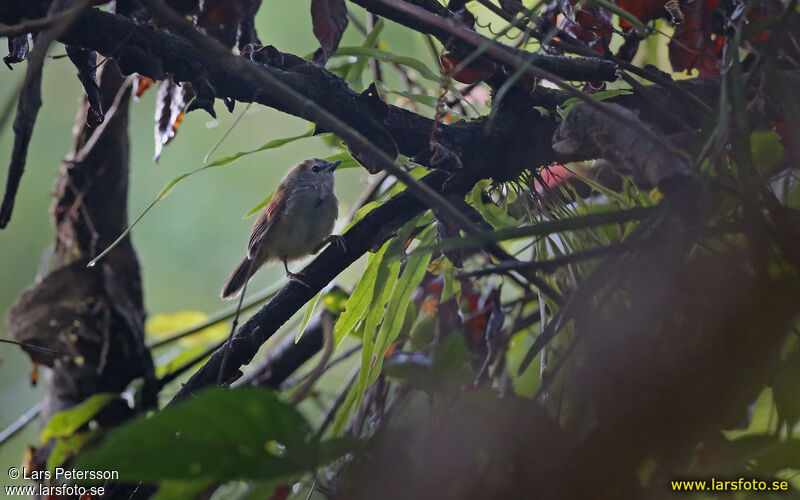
266, 220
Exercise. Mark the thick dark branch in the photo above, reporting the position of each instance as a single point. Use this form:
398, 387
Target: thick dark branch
93, 317
368, 233
154, 53
30, 100
568, 68
495, 151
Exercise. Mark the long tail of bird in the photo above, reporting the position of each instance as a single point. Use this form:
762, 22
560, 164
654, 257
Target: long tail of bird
237, 279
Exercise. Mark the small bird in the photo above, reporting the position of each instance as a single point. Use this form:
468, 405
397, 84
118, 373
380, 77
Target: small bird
297, 221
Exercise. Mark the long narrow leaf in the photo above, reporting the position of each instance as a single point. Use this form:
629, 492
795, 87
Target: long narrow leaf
412, 275
226, 160
362, 294
171, 185
261, 204
354, 75
415, 64
307, 315
384, 285
541, 229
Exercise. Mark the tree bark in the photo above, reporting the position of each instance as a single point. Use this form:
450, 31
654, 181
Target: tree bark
93, 317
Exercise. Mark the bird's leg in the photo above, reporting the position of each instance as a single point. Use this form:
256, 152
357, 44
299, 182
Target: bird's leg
334, 239
292, 276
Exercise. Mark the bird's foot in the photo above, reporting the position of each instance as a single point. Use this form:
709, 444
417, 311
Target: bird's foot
334, 239
296, 277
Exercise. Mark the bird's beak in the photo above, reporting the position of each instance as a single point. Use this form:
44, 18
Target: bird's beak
330, 167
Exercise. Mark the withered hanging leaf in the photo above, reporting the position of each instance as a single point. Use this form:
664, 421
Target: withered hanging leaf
229, 21
86, 63
219, 19
202, 98
329, 18
692, 45
246, 31
17, 50
382, 140
170, 107
644, 10
378, 111
268, 55
140, 86
565, 7
589, 23
513, 7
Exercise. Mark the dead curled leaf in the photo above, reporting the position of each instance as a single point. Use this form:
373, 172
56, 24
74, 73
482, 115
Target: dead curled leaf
171, 104
86, 63
329, 19
17, 50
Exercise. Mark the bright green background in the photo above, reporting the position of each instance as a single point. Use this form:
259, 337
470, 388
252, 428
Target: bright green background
189, 243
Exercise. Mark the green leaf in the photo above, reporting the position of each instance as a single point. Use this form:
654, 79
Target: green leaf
307, 315
362, 294
604, 190
261, 204
344, 412
566, 106
219, 434
360, 213
452, 287
356, 71
763, 417
335, 300
66, 422
767, 149
384, 284
525, 384
424, 99
182, 490
347, 160
175, 359
451, 365
66, 448
276, 143
496, 216
415, 64
414, 271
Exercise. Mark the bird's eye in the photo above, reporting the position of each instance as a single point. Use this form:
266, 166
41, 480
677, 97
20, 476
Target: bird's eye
315, 168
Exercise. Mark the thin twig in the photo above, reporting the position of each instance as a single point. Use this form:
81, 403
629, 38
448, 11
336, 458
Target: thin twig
327, 340
34, 25
30, 101
443, 208
169, 377
238, 65
80, 156
484, 45
219, 316
227, 345
20, 423
30, 346
333, 407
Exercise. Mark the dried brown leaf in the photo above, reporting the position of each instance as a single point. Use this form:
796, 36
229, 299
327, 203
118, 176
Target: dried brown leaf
329, 18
